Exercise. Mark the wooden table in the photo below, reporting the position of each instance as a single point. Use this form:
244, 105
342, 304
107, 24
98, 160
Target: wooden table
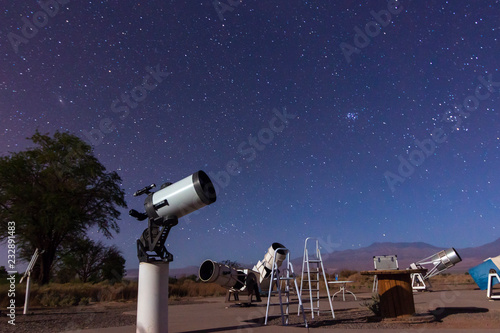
396, 294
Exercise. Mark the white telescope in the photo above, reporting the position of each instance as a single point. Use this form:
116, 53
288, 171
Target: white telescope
265, 266
163, 210
233, 279
243, 279
181, 198
224, 275
441, 261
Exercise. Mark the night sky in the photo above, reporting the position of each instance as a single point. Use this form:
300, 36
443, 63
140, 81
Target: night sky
351, 121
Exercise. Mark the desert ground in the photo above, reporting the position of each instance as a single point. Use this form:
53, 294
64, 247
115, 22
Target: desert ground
443, 307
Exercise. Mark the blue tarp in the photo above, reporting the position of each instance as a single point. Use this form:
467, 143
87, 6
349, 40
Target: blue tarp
480, 274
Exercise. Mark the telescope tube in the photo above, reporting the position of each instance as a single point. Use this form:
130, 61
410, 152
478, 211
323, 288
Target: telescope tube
181, 198
223, 275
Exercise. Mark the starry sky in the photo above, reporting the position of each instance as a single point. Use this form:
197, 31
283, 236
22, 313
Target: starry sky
350, 121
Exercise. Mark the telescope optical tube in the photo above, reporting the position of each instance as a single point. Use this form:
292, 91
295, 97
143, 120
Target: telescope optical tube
225, 276
445, 259
181, 198
265, 266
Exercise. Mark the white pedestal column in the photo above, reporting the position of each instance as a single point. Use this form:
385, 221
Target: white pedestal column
152, 298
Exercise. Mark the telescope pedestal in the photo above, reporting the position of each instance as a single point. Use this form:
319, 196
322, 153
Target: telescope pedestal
152, 298
417, 282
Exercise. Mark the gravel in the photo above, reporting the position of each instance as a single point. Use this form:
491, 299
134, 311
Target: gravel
101, 315
43, 320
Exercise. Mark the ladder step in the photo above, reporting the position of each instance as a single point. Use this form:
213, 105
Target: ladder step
313, 261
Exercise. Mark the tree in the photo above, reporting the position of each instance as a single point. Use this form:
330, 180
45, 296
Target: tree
84, 259
113, 268
230, 263
92, 262
3, 272
54, 193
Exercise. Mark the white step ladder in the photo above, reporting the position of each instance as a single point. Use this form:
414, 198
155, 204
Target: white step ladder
287, 275
311, 277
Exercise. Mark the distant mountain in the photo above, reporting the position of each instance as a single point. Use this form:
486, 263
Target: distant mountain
362, 258
473, 256
407, 253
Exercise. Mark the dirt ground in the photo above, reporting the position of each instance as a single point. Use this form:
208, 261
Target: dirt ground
45, 320
442, 318
444, 309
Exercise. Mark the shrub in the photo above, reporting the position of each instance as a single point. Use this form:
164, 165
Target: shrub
84, 301
73, 294
374, 305
345, 273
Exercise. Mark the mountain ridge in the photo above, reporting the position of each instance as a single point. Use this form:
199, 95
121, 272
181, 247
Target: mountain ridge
362, 258
407, 253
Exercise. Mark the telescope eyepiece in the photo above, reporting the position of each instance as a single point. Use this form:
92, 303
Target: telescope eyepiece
139, 216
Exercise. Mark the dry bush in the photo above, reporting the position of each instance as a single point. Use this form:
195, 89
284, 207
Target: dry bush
70, 294
452, 279
345, 273
55, 294
189, 288
362, 283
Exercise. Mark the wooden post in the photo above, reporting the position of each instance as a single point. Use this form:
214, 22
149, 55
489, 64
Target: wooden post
396, 294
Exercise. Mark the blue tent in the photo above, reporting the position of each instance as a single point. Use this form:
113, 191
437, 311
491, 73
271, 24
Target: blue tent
480, 272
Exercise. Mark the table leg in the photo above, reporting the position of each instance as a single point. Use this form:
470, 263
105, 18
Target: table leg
352, 294
336, 294
344, 290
